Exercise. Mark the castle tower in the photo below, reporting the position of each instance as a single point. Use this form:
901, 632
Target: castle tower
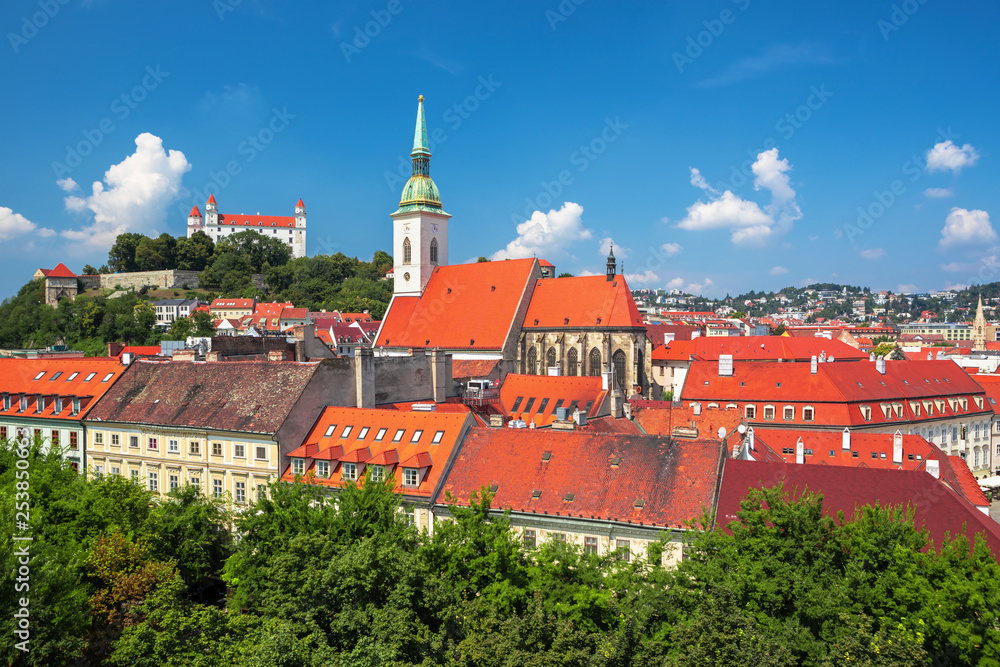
420, 225
211, 211
195, 221
979, 328
611, 263
299, 242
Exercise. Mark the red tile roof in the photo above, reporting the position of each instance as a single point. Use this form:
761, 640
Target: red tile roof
245, 396
536, 397
211, 199
299, 203
360, 445
757, 348
84, 378
228, 304
195, 213
256, 220
938, 508
465, 306
270, 309
606, 474
148, 350
61, 271
583, 301
473, 368
916, 450
662, 418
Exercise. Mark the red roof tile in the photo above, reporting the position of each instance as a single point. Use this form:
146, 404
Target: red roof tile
61, 271
583, 301
938, 508
195, 213
211, 199
84, 378
364, 446
606, 474
662, 418
473, 368
536, 397
464, 306
916, 450
299, 203
256, 220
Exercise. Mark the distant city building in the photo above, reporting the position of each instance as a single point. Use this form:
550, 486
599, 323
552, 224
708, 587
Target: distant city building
168, 310
290, 229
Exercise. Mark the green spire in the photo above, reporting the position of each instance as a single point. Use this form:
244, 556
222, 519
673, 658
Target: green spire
420, 193
420, 147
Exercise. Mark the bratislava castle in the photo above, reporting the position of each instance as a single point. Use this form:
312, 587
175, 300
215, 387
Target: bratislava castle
290, 229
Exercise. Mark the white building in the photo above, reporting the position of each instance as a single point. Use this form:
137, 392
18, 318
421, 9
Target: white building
290, 229
168, 310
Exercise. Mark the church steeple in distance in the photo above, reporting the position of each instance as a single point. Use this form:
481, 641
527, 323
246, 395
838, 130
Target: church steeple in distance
611, 263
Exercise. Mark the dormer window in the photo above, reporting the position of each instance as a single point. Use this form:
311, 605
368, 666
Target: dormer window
349, 471
39, 404
377, 473
411, 476
298, 466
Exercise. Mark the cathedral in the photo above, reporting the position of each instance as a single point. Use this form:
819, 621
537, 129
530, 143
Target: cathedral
512, 311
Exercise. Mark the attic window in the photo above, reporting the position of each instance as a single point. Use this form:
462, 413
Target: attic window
73, 375
569, 497
399, 435
437, 438
854, 455
346, 432
565, 320
494, 487
536, 321
39, 376
329, 431
449, 290
517, 403
546, 456
380, 435
362, 433
108, 377
55, 376
639, 502
537, 493
416, 435
598, 320
493, 288
616, 461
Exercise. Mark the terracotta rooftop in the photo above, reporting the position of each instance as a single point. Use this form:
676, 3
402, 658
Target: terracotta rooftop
390, 438
589, 475
247, 396
473, 368
87, 379
61, 271
661, 417
464, 306
757, 348
536, 397
583, 301
263, 221
938, 508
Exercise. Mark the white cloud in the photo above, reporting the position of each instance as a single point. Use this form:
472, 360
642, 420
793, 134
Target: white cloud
67, 184
813, 238
749, 224
958, 267
671, 249
134, 195
873, 253
676, 283
775, 56
778, 271
964, 227
698, 181
546, 233
13, 224
698, 288
905, 287
646, 278
606, 244
808, 281
946, 156
938, 193
954, 286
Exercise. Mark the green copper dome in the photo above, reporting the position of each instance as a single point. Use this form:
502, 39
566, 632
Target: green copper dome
420, 193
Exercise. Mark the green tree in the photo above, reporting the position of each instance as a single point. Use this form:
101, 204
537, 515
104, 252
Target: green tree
204, 325
89, 270
155, 254
180, 329
256, 248
121, 257
194, 253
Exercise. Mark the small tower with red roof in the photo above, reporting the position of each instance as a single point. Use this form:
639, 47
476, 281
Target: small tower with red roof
196, 223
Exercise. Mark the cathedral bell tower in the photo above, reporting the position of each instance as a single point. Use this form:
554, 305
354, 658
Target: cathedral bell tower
420, 225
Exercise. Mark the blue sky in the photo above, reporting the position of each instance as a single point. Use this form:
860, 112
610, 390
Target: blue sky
724, 146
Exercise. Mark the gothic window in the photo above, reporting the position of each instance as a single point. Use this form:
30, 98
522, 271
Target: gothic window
407, 253
550, 357
434, 251
594, 363
571, 361
641, 380
532, 361
619, 361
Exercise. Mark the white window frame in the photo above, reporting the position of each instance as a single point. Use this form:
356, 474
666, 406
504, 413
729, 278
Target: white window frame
298, 466
349, 471
323, 469
750, 411
808, 413
411, 477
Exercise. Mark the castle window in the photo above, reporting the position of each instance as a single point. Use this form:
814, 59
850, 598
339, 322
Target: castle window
434, 251
407, 252
532, 368
594, 363
571, 361
550, 357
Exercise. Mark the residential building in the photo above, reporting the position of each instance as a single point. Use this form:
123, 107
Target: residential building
47, 399
289, 229
417, 448
935, 399
606, 493
223, 309
168, 310
949, 331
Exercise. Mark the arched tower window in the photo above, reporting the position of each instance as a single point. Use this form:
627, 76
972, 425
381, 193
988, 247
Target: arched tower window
407, 252
434, 251
619, 361
550, 358
532, 361
571, 361
594, 363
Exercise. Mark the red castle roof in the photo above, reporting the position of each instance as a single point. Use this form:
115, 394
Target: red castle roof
61, 271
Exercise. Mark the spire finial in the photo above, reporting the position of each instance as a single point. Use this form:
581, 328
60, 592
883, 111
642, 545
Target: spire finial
420, 145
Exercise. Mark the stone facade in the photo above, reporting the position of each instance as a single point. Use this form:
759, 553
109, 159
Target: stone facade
573, 352
59, 288
167, 279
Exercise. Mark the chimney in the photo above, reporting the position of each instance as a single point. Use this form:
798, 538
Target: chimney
750, 439
114, 349
364, 377
438, 376
813, 363
213, 356
605, 380
871, 356
800, 452
183, 355
897, 449
930, 356
725, 365
616, 403
880, 365
272, 355
934, 468
845, 440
